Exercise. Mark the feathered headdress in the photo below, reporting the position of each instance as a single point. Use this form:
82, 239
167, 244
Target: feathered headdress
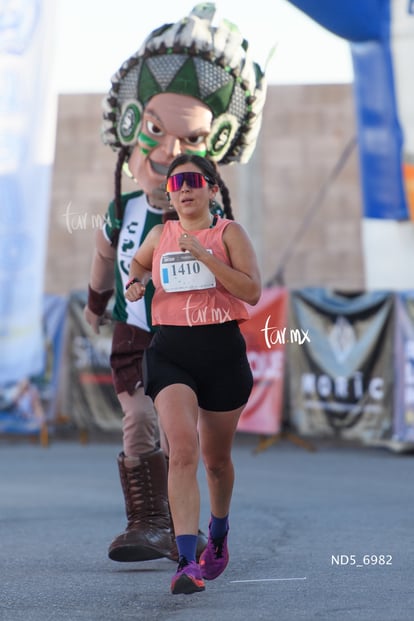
191, 57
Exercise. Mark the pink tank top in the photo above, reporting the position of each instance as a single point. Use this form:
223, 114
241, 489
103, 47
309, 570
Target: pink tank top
186, 292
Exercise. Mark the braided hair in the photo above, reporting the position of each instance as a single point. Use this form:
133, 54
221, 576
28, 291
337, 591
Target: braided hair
210, 170
122, 158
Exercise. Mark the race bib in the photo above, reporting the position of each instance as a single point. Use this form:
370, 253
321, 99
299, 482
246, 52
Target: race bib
180, 271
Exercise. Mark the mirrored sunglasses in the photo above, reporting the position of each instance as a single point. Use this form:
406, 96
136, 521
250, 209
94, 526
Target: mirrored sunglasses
193, 180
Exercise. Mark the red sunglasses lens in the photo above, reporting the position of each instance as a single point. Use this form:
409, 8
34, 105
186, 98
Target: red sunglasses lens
193, 179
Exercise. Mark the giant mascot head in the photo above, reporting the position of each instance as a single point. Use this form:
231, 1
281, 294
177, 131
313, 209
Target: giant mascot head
190, 87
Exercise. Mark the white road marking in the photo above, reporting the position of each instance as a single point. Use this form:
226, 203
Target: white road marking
267, 580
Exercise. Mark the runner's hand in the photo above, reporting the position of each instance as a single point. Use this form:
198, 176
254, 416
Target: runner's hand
135, 292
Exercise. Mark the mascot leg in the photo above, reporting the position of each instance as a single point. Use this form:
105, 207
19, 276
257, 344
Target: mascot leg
148, 534
143, 474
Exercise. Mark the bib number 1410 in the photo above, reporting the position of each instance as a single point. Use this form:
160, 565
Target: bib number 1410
189, 268
180, 271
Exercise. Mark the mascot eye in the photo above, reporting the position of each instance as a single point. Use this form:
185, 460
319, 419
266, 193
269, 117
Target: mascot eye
195, 140
154, 129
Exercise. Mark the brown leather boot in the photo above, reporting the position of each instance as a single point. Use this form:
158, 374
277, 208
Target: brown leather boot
148, 534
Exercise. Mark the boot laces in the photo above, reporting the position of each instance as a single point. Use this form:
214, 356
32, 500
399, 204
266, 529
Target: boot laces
138, 489
142, 500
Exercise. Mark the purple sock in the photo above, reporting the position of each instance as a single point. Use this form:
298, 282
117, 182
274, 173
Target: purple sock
187, 545
219, 526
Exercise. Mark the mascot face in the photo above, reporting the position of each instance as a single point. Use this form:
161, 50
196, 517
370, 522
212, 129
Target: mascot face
191, 87
171, 124
190, 83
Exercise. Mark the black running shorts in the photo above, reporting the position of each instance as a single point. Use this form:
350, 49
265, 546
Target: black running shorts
211, 359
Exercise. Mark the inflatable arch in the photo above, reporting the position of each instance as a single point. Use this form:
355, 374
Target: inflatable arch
381, 37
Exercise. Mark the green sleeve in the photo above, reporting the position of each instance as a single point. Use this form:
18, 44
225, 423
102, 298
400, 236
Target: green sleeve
112, 223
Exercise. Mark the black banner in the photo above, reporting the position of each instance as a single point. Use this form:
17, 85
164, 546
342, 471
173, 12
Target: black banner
89, 401
341, 376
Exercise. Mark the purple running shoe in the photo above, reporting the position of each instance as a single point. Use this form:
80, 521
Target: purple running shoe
215, 557
188, 578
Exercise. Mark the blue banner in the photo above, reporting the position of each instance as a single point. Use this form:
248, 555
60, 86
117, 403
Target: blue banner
30, 404
55, 309
26, 117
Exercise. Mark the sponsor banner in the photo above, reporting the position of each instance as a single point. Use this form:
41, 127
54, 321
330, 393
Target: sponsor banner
89, 399
404, 369
408, 170
266, 336
341, 379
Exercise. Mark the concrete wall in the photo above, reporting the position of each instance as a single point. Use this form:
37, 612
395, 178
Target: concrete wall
305, 130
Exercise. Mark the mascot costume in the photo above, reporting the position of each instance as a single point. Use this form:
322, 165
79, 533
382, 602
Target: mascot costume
192, 88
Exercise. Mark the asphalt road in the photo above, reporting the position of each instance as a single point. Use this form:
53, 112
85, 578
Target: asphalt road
324, 535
